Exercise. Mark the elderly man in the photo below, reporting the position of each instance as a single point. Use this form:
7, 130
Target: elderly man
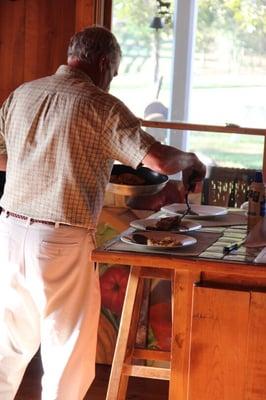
59, 138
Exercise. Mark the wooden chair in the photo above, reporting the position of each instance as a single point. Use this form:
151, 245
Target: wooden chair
227, 187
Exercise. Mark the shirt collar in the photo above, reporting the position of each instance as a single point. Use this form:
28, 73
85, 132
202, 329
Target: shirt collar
75, 72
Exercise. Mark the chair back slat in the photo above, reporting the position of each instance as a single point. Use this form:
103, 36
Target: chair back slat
227, 187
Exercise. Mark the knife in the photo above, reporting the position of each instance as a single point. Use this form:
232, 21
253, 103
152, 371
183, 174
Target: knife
233, 246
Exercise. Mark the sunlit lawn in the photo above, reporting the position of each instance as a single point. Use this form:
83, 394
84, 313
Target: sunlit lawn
229, 150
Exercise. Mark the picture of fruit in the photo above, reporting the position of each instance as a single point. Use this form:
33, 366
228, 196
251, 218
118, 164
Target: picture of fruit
113, 283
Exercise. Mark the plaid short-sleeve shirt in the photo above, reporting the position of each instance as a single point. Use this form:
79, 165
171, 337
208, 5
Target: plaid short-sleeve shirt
62, 134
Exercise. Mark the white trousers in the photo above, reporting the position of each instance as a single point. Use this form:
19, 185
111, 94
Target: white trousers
49, 295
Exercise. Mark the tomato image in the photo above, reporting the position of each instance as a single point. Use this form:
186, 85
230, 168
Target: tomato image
113, 283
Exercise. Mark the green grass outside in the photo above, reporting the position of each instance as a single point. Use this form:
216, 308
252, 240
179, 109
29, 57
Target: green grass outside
229, 150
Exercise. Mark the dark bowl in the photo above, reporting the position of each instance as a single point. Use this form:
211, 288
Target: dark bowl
154, 182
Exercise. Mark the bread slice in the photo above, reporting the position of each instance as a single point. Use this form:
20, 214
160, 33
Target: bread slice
167, 241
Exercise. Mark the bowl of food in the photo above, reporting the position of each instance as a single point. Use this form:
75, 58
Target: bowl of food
142, 181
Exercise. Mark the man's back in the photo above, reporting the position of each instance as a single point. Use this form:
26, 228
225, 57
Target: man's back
55, 148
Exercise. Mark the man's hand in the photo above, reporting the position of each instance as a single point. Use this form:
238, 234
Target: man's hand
193, 175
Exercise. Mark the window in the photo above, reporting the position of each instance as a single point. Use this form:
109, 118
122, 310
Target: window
228, 75
144, 31
229, 79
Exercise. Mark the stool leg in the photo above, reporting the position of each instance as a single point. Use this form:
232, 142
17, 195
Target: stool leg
122, 390
121, 345
134, 325
143, 318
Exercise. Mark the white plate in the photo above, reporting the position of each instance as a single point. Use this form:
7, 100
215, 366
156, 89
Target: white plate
203, 211
186, 225
183, 240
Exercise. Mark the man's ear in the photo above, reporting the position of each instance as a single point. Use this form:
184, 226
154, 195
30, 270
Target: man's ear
104, 63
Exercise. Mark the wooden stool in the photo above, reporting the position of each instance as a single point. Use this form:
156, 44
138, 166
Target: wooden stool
125, 352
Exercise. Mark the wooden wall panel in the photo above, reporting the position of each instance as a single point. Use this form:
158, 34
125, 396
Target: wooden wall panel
84, 13
256, 363
107, 17
12, 39
49, 24
89, 12
34, 35
218, 344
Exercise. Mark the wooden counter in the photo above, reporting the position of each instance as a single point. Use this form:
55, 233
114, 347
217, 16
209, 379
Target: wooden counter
218, 347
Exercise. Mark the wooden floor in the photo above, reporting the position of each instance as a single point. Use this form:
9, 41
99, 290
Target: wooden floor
139, 389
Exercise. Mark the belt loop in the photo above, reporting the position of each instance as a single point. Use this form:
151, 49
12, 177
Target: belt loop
56, 225
28, 221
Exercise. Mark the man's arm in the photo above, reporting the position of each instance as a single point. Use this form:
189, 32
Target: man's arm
3, 154
170, 160
3, 161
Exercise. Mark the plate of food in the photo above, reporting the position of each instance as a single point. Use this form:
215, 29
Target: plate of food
169, 224
197, 211
158, 239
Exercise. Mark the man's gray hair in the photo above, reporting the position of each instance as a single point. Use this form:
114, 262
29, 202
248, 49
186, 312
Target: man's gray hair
92, 42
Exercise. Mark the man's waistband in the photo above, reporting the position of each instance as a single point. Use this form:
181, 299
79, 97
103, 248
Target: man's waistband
29, 219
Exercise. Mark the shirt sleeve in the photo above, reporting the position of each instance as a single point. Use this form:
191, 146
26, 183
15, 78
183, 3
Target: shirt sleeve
124, 139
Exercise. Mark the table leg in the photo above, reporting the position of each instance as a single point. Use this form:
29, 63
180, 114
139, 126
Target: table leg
182, 285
